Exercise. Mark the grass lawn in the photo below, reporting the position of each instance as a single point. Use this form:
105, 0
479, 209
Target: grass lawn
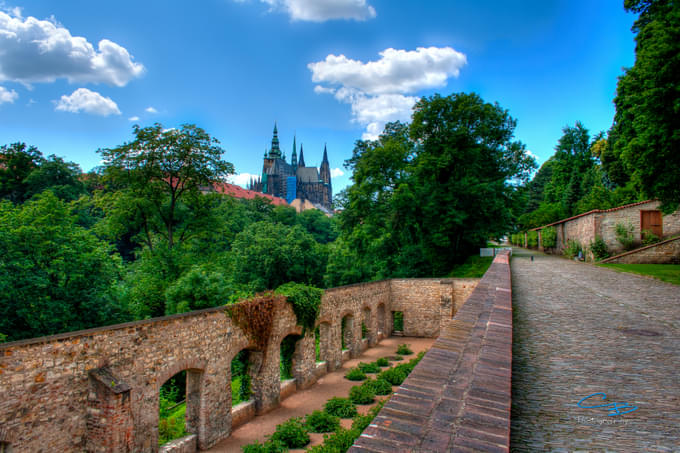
473, 267
667, 272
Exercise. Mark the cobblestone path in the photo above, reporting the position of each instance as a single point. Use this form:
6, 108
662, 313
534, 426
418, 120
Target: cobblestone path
580, 329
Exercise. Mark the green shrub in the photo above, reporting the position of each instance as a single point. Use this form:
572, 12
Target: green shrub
361, 394
322, 422
599, 248
361, 422
382, 361
549, 237
403, 349
269, 446
369, 367
338, 442
355, 374
573, 248
364, 330
394, 376
624, 234
649, 238
532, 239
379, 386
340, 407
292, 433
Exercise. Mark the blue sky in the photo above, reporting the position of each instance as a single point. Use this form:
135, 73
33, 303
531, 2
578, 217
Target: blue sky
76, 75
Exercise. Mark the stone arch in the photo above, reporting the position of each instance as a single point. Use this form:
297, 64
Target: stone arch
382, 331
195, 421
368, 325
348, 338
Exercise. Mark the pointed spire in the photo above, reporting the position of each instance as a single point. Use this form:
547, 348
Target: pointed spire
275, 151
301, 161
293, 158
325, 154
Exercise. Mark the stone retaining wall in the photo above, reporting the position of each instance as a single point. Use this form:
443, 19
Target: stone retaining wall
97, 390
664, 252
458, 397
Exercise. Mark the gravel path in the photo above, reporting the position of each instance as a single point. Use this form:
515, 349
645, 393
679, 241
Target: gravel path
580, 329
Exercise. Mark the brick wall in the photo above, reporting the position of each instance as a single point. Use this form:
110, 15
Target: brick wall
97, 390
583, 229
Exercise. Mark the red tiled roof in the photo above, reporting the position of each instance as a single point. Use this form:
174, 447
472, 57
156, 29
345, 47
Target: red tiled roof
594, 211
239, 192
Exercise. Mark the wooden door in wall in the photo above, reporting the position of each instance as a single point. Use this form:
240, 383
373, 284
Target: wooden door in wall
651, 221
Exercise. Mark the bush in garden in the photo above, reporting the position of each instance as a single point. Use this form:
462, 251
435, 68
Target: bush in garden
532, 239
394, 376
361, 394
382, 361
573, 248
403, 349
379, 386
355, 374
549, 237
361, 422
267, 447
338, 442
322, 422
340, 407
369, 367
624, 234
599, 248
292, 433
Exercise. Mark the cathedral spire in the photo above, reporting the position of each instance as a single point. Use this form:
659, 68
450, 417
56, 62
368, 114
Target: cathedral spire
301, 161
276, 150
293, 158
325, 155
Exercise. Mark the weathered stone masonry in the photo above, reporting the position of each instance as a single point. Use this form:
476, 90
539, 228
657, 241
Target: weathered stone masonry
97, 390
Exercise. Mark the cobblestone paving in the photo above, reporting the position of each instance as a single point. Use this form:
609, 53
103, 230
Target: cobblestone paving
580, 329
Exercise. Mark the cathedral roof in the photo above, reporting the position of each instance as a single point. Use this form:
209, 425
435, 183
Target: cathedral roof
308, 174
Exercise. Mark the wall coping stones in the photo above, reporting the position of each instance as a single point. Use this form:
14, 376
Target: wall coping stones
458, 397
105, 376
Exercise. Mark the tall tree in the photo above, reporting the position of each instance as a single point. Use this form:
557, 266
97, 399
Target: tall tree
646, 129
55, 276
17, 161
161, 174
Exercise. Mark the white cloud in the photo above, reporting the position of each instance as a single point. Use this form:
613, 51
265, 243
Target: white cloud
323, 10
150, 110
378, 91
241, 179
7, 95
43, 50
84, 100
336, 172
133, 118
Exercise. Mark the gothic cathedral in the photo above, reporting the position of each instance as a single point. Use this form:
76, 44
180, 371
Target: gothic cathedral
294, 180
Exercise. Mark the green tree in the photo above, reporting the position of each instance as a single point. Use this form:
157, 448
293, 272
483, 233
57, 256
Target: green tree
647, 120
161, 174
265, 255
59, 176
55, 276
17, 161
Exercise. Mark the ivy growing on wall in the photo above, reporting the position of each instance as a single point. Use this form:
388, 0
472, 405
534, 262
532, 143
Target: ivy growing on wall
306, 303
256, 317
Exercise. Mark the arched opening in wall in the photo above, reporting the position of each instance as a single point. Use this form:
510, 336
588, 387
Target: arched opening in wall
179, 406
241, 389
347, 332
288, 356
323, 342
366, 325
397, 322
381, 319
5, 447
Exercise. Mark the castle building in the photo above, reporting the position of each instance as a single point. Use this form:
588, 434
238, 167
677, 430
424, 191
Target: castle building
294, 180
